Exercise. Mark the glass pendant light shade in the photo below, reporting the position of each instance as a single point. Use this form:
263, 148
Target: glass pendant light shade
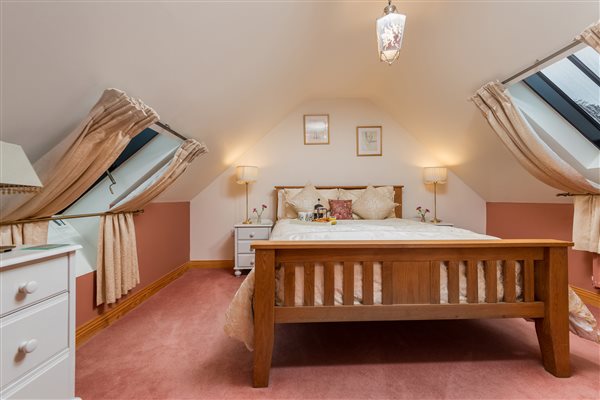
390, 29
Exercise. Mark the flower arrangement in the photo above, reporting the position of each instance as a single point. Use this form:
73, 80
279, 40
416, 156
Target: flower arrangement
422, 212
259, 214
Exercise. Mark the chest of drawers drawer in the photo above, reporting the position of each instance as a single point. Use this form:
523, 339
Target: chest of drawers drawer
32, 336
30, 283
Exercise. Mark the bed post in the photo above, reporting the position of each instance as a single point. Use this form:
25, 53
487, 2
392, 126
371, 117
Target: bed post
553, 330
264, 316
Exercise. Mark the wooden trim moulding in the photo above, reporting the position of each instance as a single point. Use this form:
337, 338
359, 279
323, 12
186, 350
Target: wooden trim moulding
122, 307
587, 296
210, 264
92, 327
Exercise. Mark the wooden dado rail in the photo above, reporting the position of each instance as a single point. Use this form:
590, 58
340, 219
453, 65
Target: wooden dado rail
410, 286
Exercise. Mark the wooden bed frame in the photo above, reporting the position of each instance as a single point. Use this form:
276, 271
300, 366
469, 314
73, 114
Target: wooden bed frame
411, 287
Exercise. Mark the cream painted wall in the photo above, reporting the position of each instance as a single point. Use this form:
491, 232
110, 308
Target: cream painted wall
283, 159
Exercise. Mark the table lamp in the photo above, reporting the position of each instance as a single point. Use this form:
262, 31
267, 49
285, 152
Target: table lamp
245, 175
435, 175
16, 175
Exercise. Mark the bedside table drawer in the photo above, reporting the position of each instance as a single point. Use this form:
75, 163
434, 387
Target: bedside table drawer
243, 246
246, 260
253, 233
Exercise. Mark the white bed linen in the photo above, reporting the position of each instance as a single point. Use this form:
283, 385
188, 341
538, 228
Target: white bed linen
239, 323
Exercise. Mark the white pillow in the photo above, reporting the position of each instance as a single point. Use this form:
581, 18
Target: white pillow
372, 204
284, 210
387, 191
306, 199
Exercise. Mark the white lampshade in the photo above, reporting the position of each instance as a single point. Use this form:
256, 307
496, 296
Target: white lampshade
16, 173
246, 174
390, 30
435, 175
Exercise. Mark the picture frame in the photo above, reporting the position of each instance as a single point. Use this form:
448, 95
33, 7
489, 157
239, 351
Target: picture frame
316, 129
369, 141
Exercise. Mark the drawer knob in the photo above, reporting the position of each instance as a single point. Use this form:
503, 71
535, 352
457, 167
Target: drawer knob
251, 262
28, 287
28, 346
251, 234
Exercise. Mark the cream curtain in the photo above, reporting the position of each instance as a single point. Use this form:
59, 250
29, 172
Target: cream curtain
542, 162
591, 36
117, 262
100, 138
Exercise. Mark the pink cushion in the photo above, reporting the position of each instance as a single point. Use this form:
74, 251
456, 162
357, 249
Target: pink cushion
341, 209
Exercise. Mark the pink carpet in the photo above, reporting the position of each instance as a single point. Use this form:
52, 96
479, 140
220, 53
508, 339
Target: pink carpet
173, 347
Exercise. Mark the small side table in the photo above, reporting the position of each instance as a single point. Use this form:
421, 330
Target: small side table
244, 235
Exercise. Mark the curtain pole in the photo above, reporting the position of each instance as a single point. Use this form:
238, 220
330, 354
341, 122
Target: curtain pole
59, 217
567, 194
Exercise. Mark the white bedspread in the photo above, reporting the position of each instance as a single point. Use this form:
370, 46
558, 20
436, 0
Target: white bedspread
239, 323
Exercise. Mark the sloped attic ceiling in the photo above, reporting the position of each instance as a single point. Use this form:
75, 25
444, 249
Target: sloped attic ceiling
227, 72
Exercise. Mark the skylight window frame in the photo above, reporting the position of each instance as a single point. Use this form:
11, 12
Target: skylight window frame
566, 106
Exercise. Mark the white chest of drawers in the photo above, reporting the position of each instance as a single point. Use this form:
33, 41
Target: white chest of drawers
244, 235
37, 323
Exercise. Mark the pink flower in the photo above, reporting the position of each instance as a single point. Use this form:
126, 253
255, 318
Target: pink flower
418, 208
264, 206
254, 210
427, 210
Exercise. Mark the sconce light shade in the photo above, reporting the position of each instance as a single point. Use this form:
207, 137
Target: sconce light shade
435, 175
246, 174
16, 173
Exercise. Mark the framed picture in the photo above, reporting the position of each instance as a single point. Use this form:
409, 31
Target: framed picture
368, 141
316, 129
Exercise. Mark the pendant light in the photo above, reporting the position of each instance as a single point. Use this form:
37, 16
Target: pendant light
390, 29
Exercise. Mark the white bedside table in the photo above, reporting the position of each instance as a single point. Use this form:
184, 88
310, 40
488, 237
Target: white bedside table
244, 235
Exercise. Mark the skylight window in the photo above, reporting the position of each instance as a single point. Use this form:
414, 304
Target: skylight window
572, 87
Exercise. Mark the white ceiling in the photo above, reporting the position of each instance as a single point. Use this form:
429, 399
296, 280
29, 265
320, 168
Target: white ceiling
227, 72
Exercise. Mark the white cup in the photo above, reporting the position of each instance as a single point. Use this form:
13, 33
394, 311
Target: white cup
305, 216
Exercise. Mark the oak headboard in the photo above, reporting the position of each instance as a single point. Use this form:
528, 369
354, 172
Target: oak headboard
397, 194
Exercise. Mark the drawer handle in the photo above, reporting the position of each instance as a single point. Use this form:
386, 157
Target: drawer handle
251, 262
28, 346
28, 287
251, 234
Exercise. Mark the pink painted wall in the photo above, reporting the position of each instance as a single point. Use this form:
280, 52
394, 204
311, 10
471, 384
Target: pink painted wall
542, 221
163, 244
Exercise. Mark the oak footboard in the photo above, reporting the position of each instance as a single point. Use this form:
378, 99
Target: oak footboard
410, 287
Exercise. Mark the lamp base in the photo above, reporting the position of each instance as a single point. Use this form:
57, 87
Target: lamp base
247, 222
436, 221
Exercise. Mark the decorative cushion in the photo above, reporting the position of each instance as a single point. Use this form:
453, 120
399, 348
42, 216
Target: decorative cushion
372, 204
341, 209
387, 191
285, 210
306, 199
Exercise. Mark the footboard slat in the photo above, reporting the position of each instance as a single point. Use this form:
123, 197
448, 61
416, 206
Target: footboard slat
367, 288
329, 289
434, 279
309, 284
491, 281
387, 292
453, 282
289, 285
348, 283
472, 282
528, 281
510, 285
